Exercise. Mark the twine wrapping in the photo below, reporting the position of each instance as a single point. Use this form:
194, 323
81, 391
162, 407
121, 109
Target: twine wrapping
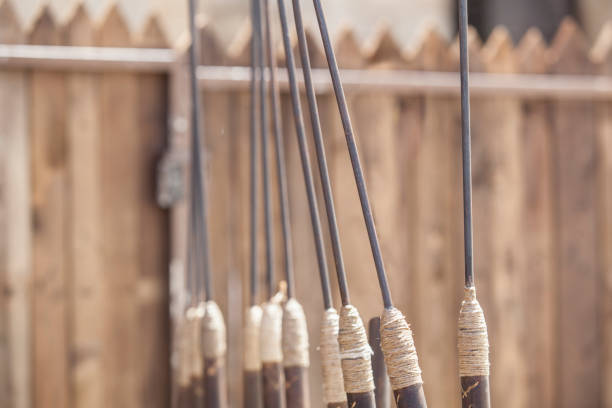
355, 352
295, 336
397, 344
185, 352
333, 380
194, 317
271, 332
213, 332
473, 342
252, 359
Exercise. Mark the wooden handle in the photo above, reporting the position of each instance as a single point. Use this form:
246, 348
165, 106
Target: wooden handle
475, 392
410, 397
186, 399
197, 392
273, 390
215, 389
296, 387
361, 400
253, 397
379, 369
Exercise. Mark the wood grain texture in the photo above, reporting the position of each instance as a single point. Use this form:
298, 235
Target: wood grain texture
197, 391
253, 391
410, 397
578, 270
273, 385
379, 370
154, 246
602, 56
83, 137
361, 400
498, 172
215, 386
475, 392
297, 390
120, 184
15, 232
50, 188
437, 205
536, 146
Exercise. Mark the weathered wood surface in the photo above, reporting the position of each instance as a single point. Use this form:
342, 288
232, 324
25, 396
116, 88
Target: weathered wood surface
84, 251
15, 232
475, 392
253, 392
273, 385
215, 387
410, 397
577, 262
297, 388
361, 400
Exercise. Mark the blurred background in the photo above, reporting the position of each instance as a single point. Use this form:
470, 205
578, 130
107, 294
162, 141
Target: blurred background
405, 19
93, 215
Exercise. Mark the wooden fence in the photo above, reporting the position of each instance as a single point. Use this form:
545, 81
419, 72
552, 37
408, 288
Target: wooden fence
86, 253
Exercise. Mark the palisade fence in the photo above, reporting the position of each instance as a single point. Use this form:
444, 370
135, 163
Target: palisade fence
91, 265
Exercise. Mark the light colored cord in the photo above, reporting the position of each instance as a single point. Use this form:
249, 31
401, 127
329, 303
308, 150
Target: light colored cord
333, 380
473, 342
397, 344
355, 352
295, 336
252, 358
213, 332
194, 317
271, 332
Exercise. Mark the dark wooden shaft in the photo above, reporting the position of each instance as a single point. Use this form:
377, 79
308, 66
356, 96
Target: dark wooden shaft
361, 400
296, 387
273, 389
475, 392
253, 397
197, 392
379, 369
185, 397
410, 397
215, 388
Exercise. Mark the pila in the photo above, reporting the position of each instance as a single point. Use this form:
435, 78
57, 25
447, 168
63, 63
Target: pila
253, 392
473, 342
355, 353
396, 337
213, 337
334, 395
296, 359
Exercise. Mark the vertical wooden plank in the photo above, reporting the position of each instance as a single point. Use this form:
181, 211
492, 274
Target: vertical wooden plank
345, 198
50, 222
536, 138
602, 55
120, 175
83, 197
578, 280
154, 250
15, 238
437, 274
215, 116
376, 121
239, 226
497, 178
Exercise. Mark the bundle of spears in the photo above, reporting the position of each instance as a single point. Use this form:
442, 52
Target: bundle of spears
276, 346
